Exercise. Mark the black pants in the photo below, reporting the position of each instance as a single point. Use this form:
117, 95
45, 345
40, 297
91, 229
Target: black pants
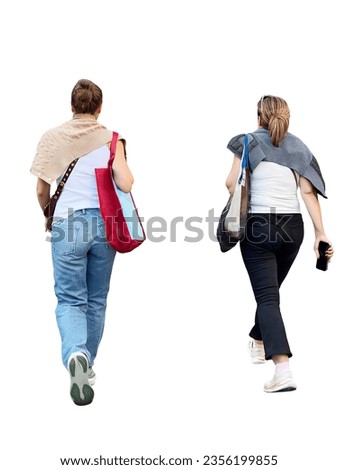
269, 248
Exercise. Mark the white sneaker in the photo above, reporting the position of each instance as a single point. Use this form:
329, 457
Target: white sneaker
80, 389
91, 376
281, 383
257, 352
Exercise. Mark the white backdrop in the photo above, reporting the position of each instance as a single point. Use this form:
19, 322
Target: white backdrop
179, 79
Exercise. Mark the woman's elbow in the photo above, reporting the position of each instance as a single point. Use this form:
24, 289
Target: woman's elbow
307, 194
125, 188
42, 190
125, 184
230, 186
40, 194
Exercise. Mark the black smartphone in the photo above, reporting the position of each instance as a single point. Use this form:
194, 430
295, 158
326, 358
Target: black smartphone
322, 262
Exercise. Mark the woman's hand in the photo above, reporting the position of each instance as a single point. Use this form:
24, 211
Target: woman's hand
329, 253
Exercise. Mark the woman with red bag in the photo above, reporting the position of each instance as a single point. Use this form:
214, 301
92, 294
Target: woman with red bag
82, 257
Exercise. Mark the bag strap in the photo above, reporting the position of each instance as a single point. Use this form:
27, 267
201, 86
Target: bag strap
112, 149
244, 159
63, 181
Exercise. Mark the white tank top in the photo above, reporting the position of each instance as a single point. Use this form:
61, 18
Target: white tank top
80, 191
274, 189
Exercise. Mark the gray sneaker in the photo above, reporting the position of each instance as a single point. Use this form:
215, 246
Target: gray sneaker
281, 383
257, 352
80, 389
91, 376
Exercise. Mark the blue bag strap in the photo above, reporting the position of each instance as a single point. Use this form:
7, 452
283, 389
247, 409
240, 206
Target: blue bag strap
245, 158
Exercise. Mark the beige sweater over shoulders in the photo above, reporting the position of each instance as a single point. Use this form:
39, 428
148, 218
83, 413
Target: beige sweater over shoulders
59, 146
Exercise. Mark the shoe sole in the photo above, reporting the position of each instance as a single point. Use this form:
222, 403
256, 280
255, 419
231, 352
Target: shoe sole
288, 388
80, 390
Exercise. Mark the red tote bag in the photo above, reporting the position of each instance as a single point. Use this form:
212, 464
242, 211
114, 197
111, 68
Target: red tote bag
124, 230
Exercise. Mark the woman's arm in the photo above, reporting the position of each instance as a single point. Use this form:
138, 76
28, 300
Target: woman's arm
43, 193
233, 175
310, 198
122, 175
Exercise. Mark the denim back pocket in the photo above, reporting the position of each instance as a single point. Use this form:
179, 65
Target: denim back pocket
64, 236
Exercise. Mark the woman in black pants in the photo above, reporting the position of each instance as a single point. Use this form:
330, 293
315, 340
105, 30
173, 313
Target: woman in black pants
280, 163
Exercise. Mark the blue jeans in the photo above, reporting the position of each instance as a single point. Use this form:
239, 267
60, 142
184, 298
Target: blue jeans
270, 247
83, 262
